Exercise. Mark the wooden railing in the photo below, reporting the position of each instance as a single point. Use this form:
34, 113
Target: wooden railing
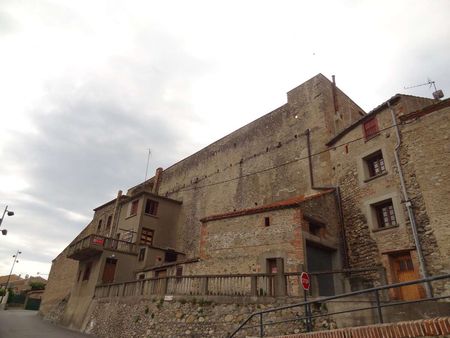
100, 243
244, 285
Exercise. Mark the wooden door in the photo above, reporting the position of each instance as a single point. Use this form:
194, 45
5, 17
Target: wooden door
320, 259
109, 270
404, 271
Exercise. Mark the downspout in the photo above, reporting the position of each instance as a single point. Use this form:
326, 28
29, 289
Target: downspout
409, 208
337, 192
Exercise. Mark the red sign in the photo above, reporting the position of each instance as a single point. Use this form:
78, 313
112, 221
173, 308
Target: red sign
306, 283
98, 241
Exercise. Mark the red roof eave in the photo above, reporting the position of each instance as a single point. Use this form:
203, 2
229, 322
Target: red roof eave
289, 203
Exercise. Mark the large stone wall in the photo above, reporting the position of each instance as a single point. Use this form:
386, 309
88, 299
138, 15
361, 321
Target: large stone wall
60, 281
189, 317
425, 155
221, 177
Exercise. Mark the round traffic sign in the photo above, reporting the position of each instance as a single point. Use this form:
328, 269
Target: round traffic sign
306, 282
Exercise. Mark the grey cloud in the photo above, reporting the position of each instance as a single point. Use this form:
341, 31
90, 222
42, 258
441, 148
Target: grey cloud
92, 135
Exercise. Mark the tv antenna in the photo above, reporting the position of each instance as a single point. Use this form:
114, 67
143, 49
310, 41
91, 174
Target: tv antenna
437, 94
148, 160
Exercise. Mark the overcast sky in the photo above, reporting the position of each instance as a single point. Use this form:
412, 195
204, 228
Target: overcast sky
86, 87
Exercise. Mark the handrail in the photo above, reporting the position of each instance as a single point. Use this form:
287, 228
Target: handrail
345, 295
104, 242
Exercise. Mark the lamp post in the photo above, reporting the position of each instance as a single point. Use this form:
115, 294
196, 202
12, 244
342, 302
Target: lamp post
10, 273
9, 213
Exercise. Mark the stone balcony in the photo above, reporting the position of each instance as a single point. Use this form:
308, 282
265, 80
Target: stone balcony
93, 245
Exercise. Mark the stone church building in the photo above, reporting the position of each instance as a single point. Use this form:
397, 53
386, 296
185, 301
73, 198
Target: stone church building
316, 185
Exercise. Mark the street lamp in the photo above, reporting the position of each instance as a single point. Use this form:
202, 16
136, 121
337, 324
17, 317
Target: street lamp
10, 273
9, 213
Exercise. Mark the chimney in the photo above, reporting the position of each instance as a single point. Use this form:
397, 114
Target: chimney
157, 182
333, 88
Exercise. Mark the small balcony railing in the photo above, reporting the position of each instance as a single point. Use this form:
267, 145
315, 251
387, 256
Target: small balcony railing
95, 244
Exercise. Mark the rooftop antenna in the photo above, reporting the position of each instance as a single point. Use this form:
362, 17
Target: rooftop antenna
148, 160
437, 94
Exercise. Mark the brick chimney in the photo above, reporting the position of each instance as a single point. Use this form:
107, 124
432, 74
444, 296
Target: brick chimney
157, 181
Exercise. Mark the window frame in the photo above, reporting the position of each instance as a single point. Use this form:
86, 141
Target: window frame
369, 162
99, 225
142, 252
151, 207
381, 214
368, 125
134, 207
87, 271
145, 241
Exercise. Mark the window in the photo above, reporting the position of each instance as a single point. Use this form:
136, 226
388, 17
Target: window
87, 271
134, 207
147, 236
385, 214
179, 271
170, 256
266, 221
151, 207
141, 254
316, 228
370, 128
99, 227
375, 164
108, 222
141, 276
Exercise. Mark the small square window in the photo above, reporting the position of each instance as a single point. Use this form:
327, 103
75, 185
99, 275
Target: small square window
134, 208
370, 128
147, 236
151, 207
375, 164
385, 214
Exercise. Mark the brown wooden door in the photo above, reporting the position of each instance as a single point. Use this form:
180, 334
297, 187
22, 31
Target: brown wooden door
404, 271
109, 270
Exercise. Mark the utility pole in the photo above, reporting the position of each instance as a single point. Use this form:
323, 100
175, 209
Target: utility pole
10, 273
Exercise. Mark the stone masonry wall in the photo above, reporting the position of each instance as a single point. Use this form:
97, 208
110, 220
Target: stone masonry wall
221, 177
60, 280
425, 156
193, 318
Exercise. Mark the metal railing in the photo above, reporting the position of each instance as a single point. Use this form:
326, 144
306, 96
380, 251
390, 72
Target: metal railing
102, 242
376, 293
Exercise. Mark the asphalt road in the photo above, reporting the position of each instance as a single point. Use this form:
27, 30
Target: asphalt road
27, 324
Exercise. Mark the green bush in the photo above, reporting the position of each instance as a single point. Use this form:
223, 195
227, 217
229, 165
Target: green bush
37, 286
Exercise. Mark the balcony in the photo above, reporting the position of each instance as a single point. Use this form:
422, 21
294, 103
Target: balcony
93, 245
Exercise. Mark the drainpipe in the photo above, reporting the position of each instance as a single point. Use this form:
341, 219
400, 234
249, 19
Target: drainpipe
409, 208
337, 191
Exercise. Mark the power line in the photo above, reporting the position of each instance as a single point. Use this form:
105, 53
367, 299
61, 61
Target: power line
189, 188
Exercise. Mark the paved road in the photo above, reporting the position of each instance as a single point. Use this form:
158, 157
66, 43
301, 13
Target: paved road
27, 324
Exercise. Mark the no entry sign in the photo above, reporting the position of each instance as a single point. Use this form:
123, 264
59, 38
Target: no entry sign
306, 282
